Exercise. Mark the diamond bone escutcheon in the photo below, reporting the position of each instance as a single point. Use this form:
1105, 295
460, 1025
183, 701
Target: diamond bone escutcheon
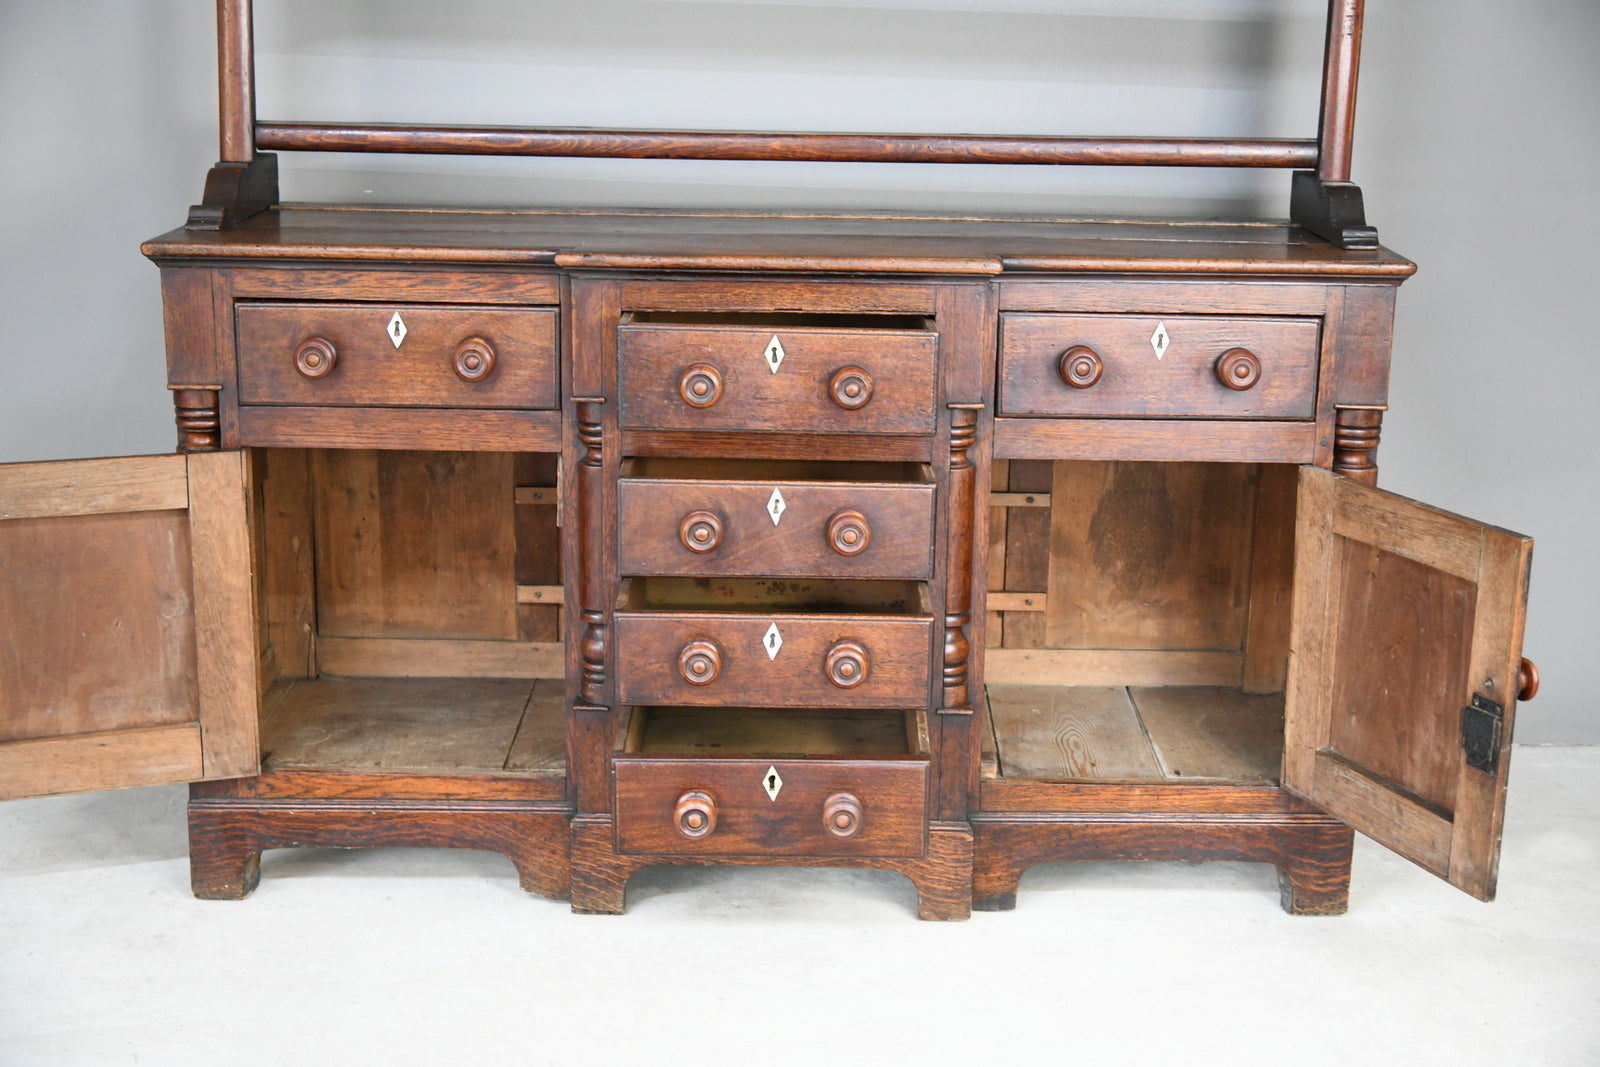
1160, 340
776, 505
774, 353
772, 783
772, 640
396, 329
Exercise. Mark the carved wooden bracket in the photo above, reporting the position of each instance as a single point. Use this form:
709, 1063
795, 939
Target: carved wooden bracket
198, 417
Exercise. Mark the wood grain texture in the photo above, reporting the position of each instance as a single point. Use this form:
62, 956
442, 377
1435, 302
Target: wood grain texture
942, 875
1266, 643
899, 518
93, 486
430, 428
100, 624
371, 370
655, 356
1213, 733
1134, 381
402, 657
1026, 566
421, 725
114, 759
1064, 732
1311, 852
415, 544
1150, 556
227, 837
893, 795
1201, 440
286, 584
225, 612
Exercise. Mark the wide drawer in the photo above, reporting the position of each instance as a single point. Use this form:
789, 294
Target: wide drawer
803, 528
890, 796
678, 376
397, 355
779, 643
1162, 366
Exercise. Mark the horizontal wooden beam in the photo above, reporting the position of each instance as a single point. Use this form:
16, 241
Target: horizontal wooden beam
398, 657
540, 594
1014, 602
803, 147
1111, 666
1019, 500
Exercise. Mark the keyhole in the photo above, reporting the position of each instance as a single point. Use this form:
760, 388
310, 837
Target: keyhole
772, 641
772, 782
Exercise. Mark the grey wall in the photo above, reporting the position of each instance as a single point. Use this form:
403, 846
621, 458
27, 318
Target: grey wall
1476, 121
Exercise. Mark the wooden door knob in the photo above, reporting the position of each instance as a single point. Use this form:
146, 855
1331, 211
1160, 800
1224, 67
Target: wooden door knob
848, 533
841, 815
846, 664
1527, 680
700, 662
315, 357
473, 360
695, 814
700, 531
1080, 366
1238, 368
850, 387
701, 385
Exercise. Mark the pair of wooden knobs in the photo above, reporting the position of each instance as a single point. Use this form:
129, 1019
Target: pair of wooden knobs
1238, 368
848, 532
846, 665
473, 359
696, 814
701, 386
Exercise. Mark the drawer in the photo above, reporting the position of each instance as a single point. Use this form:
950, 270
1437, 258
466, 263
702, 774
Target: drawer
810, 652
804, 528
863, 796
446, 356
1167, 366
685, 376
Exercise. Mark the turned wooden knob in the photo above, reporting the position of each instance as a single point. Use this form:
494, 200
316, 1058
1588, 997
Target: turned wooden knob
1238, 368
850, 387
701, 385
846, 664
315, 358
1080, 366
695, 815
841, 815
700, 531
1527, 680
848, 533
700, 662
473, 360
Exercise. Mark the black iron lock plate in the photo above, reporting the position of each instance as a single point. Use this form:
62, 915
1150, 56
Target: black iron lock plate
1481, 721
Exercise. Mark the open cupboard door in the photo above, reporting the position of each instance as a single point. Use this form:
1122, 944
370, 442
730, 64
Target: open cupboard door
1404, 673
127, 624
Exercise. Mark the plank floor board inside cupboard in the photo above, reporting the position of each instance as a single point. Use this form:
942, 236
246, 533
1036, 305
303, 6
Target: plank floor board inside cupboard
1077, 732
416, 724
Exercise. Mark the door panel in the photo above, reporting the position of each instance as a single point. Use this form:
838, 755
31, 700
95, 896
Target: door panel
1404, 616
127, 647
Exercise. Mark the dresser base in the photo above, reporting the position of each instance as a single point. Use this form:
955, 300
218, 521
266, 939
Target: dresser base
1311, 852
228, 834
942, 876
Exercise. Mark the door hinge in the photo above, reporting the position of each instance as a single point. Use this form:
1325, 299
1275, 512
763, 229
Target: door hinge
1480, 732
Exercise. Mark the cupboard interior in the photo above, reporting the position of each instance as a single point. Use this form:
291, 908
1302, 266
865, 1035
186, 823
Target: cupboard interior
410, 611
1138, 622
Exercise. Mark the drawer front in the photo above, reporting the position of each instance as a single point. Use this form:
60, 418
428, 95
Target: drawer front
723, 807
1147, 365
821, 661
806, 530
345, 354
827, 380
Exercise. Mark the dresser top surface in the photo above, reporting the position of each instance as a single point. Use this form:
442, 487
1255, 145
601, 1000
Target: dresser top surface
809, 242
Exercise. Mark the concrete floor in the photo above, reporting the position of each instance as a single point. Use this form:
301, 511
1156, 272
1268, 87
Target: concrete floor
436, 957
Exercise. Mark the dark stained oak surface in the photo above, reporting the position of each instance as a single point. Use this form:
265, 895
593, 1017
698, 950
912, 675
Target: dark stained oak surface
801, 241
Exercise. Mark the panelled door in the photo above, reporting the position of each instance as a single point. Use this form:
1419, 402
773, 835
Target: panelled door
127, 623
1404, 673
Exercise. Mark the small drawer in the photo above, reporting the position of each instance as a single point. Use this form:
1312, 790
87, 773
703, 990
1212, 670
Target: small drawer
817, 379
816, 644
743, 781
1208, 366
389, 355
730, 523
